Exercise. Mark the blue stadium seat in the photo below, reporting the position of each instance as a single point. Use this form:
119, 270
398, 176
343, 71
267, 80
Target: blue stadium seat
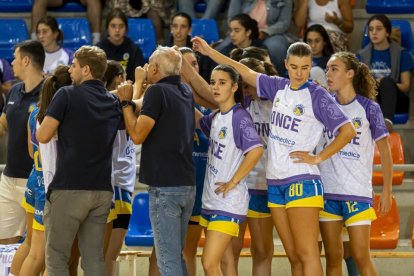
400, 118
139, 230
16, 5
14, 31
76, 32
70, 7
205, 28
200, 6
389, 6
142, 32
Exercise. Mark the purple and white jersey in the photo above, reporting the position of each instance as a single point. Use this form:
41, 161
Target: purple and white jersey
52, 60
260, 111
123, 162
231, 135
296, 124
347, 175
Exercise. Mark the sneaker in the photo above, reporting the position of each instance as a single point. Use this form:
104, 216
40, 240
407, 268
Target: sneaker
389, 125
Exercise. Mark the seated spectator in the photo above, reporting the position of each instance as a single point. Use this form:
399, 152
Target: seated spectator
118, 46
273, 22
244, 33
318, 39
6, 76
390, 65
334, 15
212, 10
180, 29
93, 12
51, 37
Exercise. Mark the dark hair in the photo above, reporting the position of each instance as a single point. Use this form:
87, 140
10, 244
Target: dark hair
384, 20
113, 70
95, 58
235, 78
185, 15
32, 49
58, 79
186, 50
259, 66
248, 23
251, 51
327, 46
299, 49
363, 82
116, 13
51, 22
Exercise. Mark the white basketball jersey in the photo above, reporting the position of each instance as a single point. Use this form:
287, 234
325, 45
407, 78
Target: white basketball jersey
260, 111
296, 124
231, 135
347, 175
48, 155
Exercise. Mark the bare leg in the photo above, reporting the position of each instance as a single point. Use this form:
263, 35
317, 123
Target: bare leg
281, 222
237, 245
34, 263
227, 264
158, 24
39, 11
74, 258
113, 250
216, 245
94, 14
261, 231
304, 224
359, 239
190, 248
24, 248
332, 242
153, 268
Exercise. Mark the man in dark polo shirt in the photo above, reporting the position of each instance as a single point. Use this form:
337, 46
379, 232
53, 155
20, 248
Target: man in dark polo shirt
86, 117
29, 58
165, 128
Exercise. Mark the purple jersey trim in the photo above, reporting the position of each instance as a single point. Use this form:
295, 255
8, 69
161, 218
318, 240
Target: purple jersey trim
383, 136
267, 86
222, 213
347, 198
293, 179
257, 192
252, 147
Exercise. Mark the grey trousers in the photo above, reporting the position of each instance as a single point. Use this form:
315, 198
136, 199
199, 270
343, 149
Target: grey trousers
71, 212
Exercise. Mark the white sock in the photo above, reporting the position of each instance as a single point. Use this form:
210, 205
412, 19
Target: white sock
33, 36
96, 37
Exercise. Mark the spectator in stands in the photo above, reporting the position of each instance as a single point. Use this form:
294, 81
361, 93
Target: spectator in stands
159, 11
348, 196
334, 15
123, 180
51, 37
180, 30
167, 111
318, 39
251, 52
212, 10
273, 22
80, 194
93, 10
390, 65
244, 33
118, 46
29, 57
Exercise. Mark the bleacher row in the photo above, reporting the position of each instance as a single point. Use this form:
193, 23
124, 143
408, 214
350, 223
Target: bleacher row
77, 33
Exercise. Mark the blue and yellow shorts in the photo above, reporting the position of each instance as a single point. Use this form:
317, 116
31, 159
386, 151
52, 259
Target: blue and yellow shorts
306, 193
220, 223
28, 202
40, 200
121, 204
351, 212
258, 206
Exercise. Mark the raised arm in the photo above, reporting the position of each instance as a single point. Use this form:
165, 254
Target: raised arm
140, 77
249, 76
29, 141
384, 148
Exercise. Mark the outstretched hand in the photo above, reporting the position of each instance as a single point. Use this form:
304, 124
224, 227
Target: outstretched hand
200, 45
125, 91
